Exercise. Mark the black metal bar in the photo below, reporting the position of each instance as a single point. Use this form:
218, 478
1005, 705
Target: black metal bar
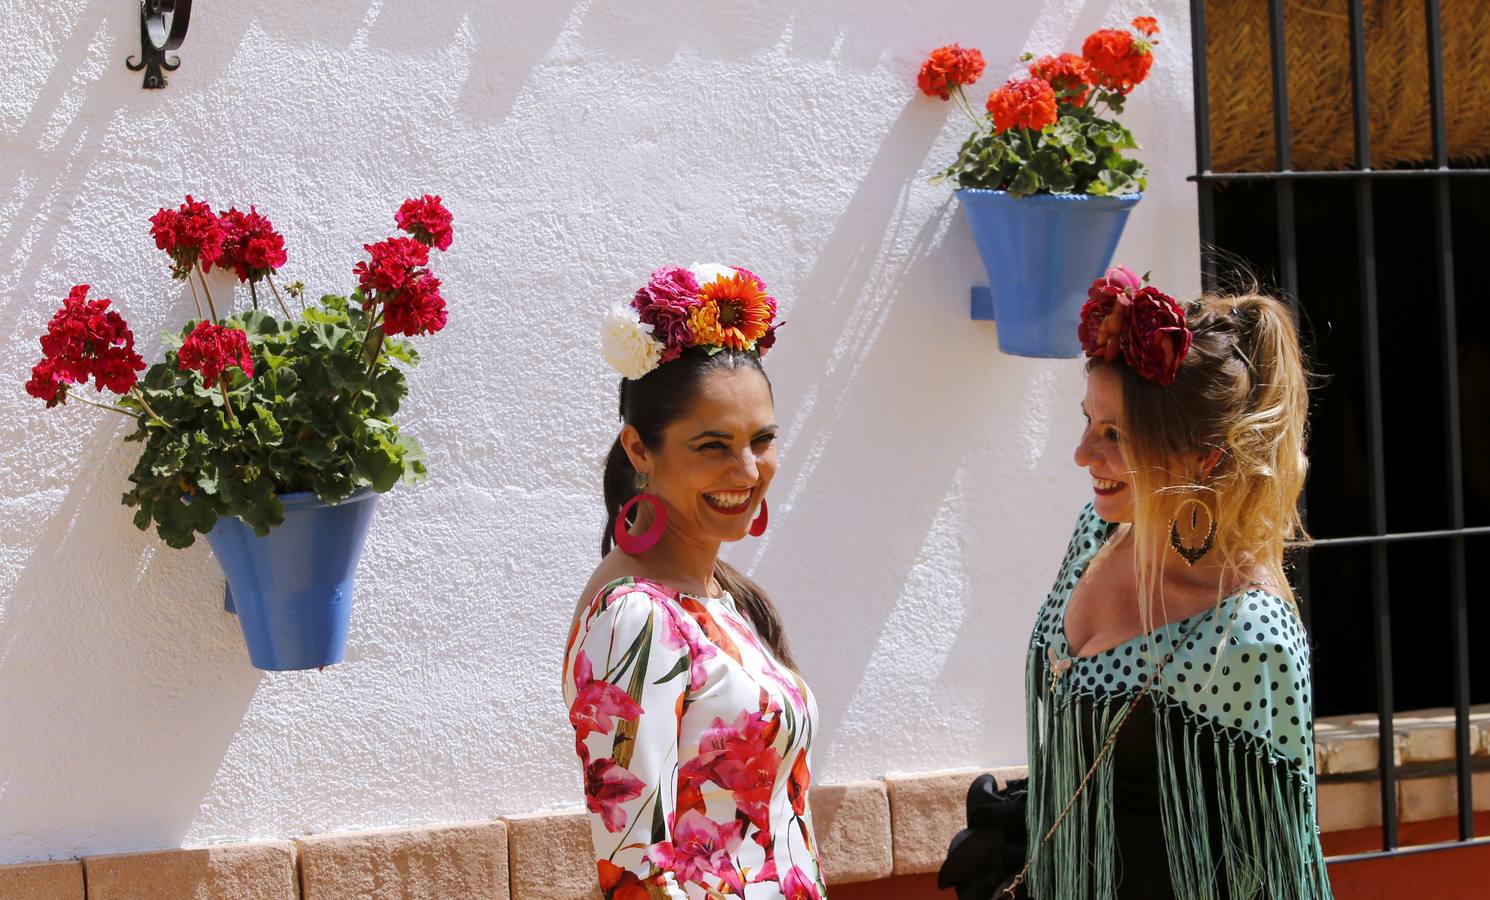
1405, 851
1458, 587
1359, 540
1206, 195
1288, 266
1375, 453
1336, 174
1283, 151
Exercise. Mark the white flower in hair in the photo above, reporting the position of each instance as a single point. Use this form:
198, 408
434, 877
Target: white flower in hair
627, 344
707, 272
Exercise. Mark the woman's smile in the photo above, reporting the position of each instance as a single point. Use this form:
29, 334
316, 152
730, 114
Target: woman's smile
730, 503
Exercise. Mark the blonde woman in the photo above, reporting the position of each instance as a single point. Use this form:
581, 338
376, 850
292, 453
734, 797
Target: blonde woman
1171, 741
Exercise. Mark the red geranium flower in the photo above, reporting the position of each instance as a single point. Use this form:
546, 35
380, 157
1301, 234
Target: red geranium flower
45, 384
1104, 316
607, 786
251, 247
212, 349
1023, 103
191, 234
393, 261
85, 339
1119, 61
417, 309
1148, 26
1068, 74
427, 220
948, 68
1157, 337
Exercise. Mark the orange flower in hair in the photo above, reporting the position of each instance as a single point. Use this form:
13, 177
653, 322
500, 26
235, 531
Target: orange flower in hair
734, 312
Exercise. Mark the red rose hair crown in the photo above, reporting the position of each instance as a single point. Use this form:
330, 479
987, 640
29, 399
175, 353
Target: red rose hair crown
703, 305
1124, 317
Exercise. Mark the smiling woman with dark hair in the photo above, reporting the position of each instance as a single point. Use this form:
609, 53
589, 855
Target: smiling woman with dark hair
690, 722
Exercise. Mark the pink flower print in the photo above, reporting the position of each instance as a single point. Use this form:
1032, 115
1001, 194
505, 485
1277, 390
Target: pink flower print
680, 633
700, 846
797, 886
740, 758
607, 786
769, 666
711, 628
789, 685
767, 872
596, 701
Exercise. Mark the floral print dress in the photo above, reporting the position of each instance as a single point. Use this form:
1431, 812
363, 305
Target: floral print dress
694, 740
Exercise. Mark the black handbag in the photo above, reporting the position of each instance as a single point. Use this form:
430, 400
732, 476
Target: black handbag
990, 852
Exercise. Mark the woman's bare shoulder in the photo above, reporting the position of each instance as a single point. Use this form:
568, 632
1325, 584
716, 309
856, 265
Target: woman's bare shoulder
614, 566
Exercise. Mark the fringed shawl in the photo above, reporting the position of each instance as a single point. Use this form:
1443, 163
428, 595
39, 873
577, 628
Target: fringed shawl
1234, 740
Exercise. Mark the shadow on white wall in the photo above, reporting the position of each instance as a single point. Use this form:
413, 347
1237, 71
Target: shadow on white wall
580, 144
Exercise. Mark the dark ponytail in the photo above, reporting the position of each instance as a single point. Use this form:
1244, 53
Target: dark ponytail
651, 403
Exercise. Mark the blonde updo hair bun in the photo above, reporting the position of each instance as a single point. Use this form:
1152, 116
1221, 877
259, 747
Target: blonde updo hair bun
1242, 390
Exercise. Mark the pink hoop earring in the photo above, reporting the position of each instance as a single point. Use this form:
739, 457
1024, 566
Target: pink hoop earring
758, 527
636, 545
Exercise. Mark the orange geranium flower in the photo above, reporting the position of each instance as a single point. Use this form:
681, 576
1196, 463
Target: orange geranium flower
735, 312
1119, 61
1148, 26
1066, 73
1023, 103
947, 68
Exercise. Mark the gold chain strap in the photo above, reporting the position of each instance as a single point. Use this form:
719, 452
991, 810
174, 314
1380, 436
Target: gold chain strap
1010, 889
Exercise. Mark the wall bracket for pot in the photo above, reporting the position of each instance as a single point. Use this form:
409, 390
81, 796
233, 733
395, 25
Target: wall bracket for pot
982, 303
162, 29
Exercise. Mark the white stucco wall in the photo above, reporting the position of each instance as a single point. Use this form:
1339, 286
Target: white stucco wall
925, 492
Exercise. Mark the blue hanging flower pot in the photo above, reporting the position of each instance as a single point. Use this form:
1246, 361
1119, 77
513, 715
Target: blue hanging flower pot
292, 588
1041, 253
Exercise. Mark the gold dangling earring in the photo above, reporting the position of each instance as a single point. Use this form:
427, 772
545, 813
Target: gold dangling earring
1192, 555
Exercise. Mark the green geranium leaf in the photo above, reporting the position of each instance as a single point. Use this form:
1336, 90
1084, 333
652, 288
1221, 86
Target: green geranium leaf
401, 350
1024, 183
313, 417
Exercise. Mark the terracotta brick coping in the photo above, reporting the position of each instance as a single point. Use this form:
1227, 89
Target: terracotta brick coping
1347, 745
866, 831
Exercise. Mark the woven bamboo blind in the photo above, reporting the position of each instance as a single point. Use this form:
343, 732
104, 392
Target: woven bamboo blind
1317, 39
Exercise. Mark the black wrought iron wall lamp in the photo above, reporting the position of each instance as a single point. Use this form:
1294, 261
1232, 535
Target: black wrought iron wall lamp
162, 28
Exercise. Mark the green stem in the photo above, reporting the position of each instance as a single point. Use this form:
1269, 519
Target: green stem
227, 404
283, 308
300, 296
253, 294
118, 409
372, 366
966, 107
1028, 143
212, 307
139, 397
194, 297
374, 323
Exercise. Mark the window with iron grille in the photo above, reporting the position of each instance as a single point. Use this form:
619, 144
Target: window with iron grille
1351, 176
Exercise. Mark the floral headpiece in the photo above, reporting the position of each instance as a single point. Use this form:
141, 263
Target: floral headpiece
1124, 316
704, 305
